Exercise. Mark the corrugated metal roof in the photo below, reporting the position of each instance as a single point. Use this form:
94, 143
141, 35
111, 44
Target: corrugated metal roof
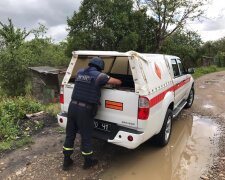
48, 70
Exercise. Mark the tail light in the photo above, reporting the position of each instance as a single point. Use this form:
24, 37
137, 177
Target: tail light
130, 138
61, 120
143, 108
62, 94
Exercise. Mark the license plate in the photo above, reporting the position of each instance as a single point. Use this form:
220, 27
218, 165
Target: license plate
102, 126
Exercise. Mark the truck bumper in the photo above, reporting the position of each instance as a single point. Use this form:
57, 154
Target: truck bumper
127, 139
120, 136
62, 119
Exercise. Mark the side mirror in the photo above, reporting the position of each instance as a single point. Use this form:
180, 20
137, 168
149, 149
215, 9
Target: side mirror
190, 70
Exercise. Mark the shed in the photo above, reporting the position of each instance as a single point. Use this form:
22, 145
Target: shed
207, 61
46, 83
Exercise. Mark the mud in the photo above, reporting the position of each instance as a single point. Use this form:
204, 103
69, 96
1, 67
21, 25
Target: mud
211, 102
187, 155
210, 99
196, 149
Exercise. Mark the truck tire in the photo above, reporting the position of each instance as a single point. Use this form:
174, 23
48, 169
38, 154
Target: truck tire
163, 137
190, 98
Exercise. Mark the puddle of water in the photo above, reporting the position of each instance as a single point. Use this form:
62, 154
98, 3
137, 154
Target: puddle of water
208, 106
196, 97
202, 87
220, 75
223, 115
185, 157
223, 91
211, 81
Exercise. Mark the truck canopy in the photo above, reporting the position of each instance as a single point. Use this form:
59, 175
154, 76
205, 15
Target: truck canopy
131, 62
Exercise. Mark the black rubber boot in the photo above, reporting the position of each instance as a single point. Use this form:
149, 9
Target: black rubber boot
89, 162
67, 163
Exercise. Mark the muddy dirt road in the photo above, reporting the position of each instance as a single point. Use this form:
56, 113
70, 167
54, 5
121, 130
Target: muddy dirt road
196, 149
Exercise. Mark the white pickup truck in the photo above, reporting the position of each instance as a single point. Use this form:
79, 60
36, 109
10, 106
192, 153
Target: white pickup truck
155, 89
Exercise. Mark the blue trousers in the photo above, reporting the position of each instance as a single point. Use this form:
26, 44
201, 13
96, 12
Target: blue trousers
79, 119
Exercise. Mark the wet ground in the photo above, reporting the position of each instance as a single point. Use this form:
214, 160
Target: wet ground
196, 149
210, 101
187, 156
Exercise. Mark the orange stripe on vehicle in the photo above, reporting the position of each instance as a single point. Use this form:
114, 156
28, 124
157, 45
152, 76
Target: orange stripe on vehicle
155, 100
114, 105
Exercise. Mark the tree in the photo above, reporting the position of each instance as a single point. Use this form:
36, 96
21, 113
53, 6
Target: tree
218, 45
16, 55
43, 52
10, 36
172, 15
110, 25
13, 67
220, 59
184, 45
215, 50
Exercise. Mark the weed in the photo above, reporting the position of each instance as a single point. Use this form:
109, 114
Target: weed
60, 130
23, 141
52, 109
5, 145
12, 113
206, 70
39, 125
12, 144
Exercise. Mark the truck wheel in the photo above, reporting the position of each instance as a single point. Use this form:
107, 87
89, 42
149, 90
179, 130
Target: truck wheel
163, 137
190, 98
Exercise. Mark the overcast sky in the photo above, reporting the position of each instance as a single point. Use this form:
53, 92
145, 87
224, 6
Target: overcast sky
53, 14
212, 27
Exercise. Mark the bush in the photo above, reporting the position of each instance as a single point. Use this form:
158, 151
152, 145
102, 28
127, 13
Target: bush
12, 111
8, 130
17, 108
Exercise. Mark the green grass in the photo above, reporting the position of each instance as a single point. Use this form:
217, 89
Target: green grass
13, 144
13, 122
61, 130
206, 70
52, 109
14, 127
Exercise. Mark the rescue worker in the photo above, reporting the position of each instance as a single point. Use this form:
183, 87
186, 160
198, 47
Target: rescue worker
82, 110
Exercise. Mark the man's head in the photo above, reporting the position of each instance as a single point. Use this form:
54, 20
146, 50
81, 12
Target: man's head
97, 62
